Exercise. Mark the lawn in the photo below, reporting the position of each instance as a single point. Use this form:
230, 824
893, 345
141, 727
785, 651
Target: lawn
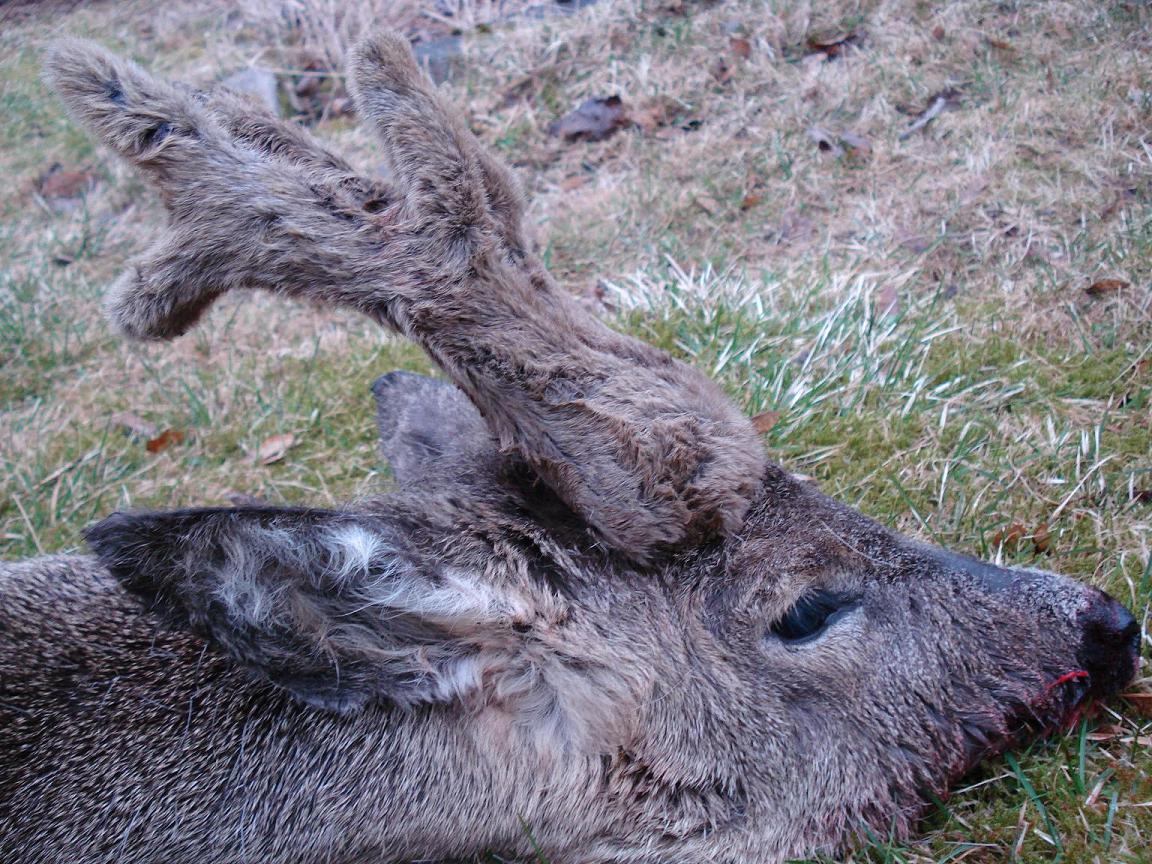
914, 238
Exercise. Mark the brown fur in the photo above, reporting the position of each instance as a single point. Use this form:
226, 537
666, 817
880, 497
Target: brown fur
593, 623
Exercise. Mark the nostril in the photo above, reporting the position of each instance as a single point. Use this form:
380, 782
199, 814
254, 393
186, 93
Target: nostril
1110, 644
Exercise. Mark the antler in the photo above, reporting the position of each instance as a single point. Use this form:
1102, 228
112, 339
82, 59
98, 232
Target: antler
647, 450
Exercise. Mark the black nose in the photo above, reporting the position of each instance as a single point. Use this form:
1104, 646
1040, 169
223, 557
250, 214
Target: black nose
1110, 646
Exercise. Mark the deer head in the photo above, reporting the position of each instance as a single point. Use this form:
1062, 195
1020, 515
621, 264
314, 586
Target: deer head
589, 571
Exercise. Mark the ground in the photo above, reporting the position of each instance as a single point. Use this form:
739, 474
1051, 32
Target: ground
946, 324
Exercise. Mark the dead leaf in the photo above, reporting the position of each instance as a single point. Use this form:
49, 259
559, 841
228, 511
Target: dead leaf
661, 111
592, 120
751, 200
58, 183
1041, 538
765, 420
938, 33
826, 141
999, 44
741, 47
569, 184
834, 45
274, 448
1009, 538
1106, 286
164, 440
857, 146
1107, 732
946, 100
135, 425
1141, 702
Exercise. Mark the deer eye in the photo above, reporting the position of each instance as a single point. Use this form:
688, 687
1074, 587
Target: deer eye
811, 615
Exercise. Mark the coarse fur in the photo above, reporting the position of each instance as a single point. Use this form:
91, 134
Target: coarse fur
592, 624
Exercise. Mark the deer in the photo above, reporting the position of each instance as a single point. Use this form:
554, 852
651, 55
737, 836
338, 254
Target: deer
592, 622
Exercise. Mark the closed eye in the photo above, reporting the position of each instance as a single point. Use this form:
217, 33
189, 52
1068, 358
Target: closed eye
812, 614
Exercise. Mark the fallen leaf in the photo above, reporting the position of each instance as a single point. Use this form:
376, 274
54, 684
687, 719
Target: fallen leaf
741, 47
164, 440
568, 184
1107, 732
999, 44
1041, 538
946, 100
274, 448
1141, 702
938, 33
58, 183
592, 120
135, 424
751, 200
1105, 286
833, 46
857, 146
765, 420
1009, 538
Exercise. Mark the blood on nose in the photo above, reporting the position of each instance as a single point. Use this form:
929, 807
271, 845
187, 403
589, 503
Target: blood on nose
1110, 644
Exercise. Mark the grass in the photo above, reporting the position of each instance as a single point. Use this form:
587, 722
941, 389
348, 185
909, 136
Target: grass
916, 315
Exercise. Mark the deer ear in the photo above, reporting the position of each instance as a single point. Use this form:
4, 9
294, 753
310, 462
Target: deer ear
332, 607
428, 428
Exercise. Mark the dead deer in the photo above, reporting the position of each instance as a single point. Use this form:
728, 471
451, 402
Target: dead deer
593, 623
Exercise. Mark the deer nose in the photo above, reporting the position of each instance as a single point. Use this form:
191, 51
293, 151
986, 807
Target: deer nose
1110, 644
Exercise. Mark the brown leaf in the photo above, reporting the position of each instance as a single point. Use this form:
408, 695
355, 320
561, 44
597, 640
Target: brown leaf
765, 420
164, 440
1105, 286
568, 184
741, 47
857, 146
1141, 702
592, 120
58, 183
833, 45
1009, 538
274, 448
1107, 732
999, 44
135, 425
751, 200
1041, 538
938, 33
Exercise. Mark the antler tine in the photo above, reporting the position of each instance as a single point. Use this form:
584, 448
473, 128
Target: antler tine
446, 172
254, 203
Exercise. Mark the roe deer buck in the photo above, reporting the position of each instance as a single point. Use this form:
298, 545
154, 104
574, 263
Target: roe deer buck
593, 624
